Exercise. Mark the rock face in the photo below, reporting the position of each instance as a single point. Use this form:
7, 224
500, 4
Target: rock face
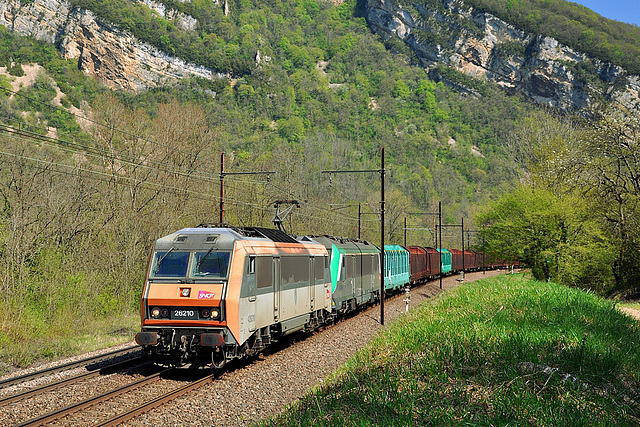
114, 57
439, 31
182, 21
482, 46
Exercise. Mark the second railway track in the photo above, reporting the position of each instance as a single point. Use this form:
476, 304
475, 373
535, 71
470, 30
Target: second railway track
8, 382
122, 403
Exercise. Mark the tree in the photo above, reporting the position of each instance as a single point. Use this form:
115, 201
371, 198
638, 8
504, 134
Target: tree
609, 174
557, 237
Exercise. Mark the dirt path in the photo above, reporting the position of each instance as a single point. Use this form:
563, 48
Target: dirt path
634, 312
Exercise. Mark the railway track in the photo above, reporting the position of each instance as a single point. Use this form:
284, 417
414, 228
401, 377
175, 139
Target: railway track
158, 401
88, 411
94, 400
64, 382
68, 366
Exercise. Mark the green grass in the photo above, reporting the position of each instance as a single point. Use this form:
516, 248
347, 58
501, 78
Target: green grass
478, 357
23, 344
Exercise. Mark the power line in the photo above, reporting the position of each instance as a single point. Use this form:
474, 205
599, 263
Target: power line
116, 179
98, 153
54, 107
312, 207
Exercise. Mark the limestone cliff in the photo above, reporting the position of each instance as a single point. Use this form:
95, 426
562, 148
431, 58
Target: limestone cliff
114, 57
482, 46
439, 32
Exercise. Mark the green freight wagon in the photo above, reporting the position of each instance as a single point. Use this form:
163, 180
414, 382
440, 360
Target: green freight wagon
396, 261
445, 261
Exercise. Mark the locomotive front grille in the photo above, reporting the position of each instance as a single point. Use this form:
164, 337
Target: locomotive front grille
186, 313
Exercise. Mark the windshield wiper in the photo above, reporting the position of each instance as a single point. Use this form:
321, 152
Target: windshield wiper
202, 259
162, 259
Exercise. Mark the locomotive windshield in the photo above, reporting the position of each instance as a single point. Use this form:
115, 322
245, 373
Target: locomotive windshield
210, 264
170, 264
178, 264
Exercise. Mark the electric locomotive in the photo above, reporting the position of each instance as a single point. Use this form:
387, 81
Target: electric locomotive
215, 294
355, 273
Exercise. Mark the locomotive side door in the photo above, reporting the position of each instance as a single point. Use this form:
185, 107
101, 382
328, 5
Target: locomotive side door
264, 291
312, 283
276, 288
351, 266
251, 282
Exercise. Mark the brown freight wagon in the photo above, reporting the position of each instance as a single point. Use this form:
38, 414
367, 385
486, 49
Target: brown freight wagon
456, 260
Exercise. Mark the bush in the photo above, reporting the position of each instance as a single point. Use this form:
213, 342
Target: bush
16, 70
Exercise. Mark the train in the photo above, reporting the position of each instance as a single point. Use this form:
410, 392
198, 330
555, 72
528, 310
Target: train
216, 294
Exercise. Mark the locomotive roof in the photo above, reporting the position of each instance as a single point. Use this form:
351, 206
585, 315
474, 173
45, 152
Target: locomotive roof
221, 237
347, 245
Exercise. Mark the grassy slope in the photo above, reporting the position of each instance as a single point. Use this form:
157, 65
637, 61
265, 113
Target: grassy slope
36, 339
461, 360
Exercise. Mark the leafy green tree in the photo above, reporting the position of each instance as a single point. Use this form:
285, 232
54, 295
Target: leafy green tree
292, 129
557, 237
401, 89
16, 69
599, 162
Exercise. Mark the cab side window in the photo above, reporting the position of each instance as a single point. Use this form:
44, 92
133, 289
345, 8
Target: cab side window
264, 272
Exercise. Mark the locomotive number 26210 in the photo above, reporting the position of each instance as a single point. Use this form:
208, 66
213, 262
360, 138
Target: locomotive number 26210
184, 314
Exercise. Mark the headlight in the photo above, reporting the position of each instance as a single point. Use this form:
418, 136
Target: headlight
164, 312
205, 313
215, 313
155, 312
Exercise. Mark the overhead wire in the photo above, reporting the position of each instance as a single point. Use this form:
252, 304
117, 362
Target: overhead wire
323, 208
109, 178
55, 107
312, 207
104, 177
97, 152
320, 209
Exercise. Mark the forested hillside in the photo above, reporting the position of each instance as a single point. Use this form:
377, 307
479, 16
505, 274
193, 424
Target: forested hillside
91, 177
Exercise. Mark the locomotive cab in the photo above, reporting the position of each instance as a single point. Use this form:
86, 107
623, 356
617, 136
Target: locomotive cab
183, 307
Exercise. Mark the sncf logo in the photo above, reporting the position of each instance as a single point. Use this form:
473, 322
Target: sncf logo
205, 295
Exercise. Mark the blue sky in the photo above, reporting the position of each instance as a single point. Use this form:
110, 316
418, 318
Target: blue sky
621, 10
